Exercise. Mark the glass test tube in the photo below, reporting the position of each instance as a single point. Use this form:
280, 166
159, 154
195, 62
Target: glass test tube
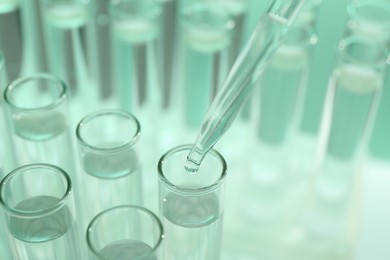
206, 35
191, 205
237, 10
37, 109
135, 28
353, 95
6, 158
108, 141
11, 41
38, 203
271, 185
369, 20
66, 32
167, 44
125, 232
100, 49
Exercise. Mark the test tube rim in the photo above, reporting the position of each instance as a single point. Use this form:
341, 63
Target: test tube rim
62, 93
35, 213
352, 11
116, 11
347, 41
197, 7
191, 191
148, 212
104, 112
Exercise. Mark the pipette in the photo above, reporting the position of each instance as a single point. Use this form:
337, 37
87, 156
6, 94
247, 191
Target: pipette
267, 37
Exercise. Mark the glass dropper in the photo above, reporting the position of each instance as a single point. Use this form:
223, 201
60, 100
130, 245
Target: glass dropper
267, 37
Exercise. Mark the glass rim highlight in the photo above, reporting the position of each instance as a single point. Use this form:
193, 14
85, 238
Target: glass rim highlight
38, 76
148, 212
34, 213
187, 148
343, 45
102, 113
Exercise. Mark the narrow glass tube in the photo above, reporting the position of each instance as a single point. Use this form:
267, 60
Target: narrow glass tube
125, 232
7, 162
7, 151
369, 20
167, 44
272, 186
66, 33
191, 205
206, 35
11, 41
237, 10
37, 109
38, 203
135, 28
353, 95
282, 86
108, 141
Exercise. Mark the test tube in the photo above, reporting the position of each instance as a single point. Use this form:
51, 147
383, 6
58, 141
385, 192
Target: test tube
39, 207
354, 92
191, 205
11, 40
66, 33
108, 141
125, 232
37, 109
206, 35
369, 19
135, 28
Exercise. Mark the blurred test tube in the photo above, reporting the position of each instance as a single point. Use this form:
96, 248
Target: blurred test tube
135, 28
66, 32
205, 37
354, 92
11, 40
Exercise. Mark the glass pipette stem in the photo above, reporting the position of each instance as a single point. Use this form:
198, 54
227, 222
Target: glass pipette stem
267, 37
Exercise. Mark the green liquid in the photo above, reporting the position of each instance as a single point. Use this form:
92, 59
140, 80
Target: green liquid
127, 249
40, 127
195, 223
111, 165
52, 236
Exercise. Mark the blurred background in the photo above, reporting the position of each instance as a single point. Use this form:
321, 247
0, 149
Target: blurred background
308, 153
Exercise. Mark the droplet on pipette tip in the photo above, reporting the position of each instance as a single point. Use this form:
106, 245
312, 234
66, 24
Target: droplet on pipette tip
191, 167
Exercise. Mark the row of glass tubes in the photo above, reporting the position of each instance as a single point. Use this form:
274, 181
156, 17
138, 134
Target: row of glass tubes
207, 41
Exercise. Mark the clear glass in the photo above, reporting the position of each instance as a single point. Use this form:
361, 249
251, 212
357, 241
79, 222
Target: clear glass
191, 205
237, 10
38, 203
108, 148
66, 34
267, 37
37, 108
135, 29
350, 108
125, 232
369, 20
205, 37
11, 37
